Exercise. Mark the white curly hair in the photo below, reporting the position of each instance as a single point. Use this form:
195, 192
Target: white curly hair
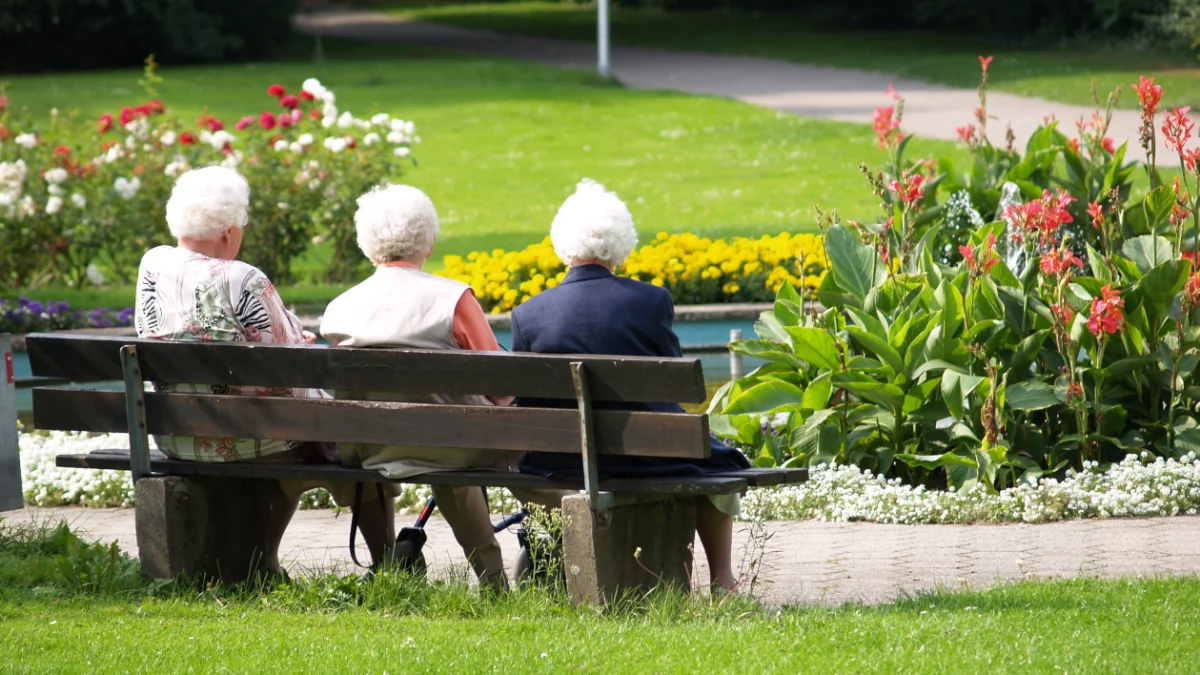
395, 222
593, 224
206, 202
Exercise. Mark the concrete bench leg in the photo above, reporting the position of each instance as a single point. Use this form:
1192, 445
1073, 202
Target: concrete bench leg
215, 527
598, 549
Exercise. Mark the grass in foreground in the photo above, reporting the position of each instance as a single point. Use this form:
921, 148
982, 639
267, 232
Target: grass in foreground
1059, 74
504, 142
56, 623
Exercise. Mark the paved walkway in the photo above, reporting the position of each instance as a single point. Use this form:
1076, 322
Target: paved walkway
931, 110
809, 562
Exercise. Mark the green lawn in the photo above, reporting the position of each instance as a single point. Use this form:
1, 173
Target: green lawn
1060, 74
503, 143
67, 606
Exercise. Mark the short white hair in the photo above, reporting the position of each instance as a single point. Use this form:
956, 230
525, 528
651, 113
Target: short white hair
206, 202
593, 224
395, 222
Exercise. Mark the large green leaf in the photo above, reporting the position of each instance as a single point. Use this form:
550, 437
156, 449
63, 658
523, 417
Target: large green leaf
1030, 395
1148, 251
855, 265
943, 461
888, 395
789, 306
956, 388
764, 398
879, 347
815, 345
768, 327
776, 352
817, 393
1159, 204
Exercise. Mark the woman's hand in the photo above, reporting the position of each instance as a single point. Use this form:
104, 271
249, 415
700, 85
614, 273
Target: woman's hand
308, 338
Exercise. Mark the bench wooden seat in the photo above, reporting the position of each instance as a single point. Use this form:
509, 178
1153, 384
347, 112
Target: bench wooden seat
606, 524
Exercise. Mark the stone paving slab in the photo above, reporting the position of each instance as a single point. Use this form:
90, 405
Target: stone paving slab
842, 94
801, 562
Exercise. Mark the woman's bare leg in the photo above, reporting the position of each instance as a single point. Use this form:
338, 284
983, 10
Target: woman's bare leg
466, 511
716, 534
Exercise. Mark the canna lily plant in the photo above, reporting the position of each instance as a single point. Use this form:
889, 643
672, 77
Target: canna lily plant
1034, 350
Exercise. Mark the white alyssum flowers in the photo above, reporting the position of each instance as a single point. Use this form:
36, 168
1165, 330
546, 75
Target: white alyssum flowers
54, 205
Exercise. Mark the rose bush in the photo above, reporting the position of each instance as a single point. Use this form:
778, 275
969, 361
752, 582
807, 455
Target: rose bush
79, 198
1055, 327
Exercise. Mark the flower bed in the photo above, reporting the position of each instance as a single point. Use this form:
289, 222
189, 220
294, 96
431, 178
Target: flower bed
30, 316
81, 203
1132, 487
694, 269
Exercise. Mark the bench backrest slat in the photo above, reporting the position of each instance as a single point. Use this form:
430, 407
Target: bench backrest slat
612, 378
424, 424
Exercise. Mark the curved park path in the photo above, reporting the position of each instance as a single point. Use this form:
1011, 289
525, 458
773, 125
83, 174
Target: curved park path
803, 562
842, 94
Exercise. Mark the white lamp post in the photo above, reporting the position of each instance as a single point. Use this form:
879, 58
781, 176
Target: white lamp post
602, 63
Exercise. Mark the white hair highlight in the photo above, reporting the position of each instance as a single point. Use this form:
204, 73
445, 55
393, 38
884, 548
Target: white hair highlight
395, 222
206, 202
593, 224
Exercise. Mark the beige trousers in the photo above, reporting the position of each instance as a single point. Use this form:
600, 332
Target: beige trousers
466, 511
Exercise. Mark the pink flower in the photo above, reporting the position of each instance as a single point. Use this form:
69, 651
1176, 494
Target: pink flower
1149, 94
211, 123
1106, 315
1097, 213
244, 122
127, 115
885, 125
1041, 217
1108, 145
267, 120
289, 101
966, 133
1057, 264
985, 62
104, 123
911, 191
285, 120
1178, 129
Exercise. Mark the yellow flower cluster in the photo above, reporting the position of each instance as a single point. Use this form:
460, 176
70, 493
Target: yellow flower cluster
695, 270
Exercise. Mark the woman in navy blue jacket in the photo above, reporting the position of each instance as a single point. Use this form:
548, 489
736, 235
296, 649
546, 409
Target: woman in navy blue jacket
593, 311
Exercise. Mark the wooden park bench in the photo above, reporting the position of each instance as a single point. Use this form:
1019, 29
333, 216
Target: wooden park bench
191, 516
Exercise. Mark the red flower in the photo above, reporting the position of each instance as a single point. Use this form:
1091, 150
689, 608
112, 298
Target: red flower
1108, 145
244, 122
276, 90
104, 123
1063, 313
351, 142
911, 191
314, 114
1041, 216
4, 134
885, 125
62, 150
985, 62
1149, 94
267, 120
187, 138
142, 110
1074, 143
289, 101
966, 133
3, 103
157, 107
1097, 213
211, 123
968, 255
306, 95
1191, 292
1178, 129
987, 255
1075, 392
1106, 315
1058, 264
127, 115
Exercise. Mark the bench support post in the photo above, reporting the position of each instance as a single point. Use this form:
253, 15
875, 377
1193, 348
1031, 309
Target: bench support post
12, 495
587, 434
135, 413
637, 543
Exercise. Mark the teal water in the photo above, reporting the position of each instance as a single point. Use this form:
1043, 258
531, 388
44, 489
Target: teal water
716, 364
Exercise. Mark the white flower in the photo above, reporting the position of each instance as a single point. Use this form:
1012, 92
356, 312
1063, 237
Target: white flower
232, 160
26, 140
382, 120
26, 207
329, 111
55, 190
371, 138
114, 153
296, 147
281, 145
205, 136
313, 86
282, 206
345, 121
130, 142
78, 200
94, 274
56, 175
335, 144
306, 139
177, 166
409, 128
220, 139
401, 152
314, 184
398, 125
328, 121
138, 127
54, 205
127, 189
396, 137
168, 138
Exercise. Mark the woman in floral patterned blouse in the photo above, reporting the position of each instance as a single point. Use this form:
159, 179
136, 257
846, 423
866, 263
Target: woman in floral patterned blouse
198, 291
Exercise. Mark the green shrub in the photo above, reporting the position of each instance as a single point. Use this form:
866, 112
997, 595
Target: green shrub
62, 34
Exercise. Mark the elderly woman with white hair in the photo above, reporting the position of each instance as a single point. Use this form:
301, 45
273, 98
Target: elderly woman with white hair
593, 311
402, 306
197, 290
